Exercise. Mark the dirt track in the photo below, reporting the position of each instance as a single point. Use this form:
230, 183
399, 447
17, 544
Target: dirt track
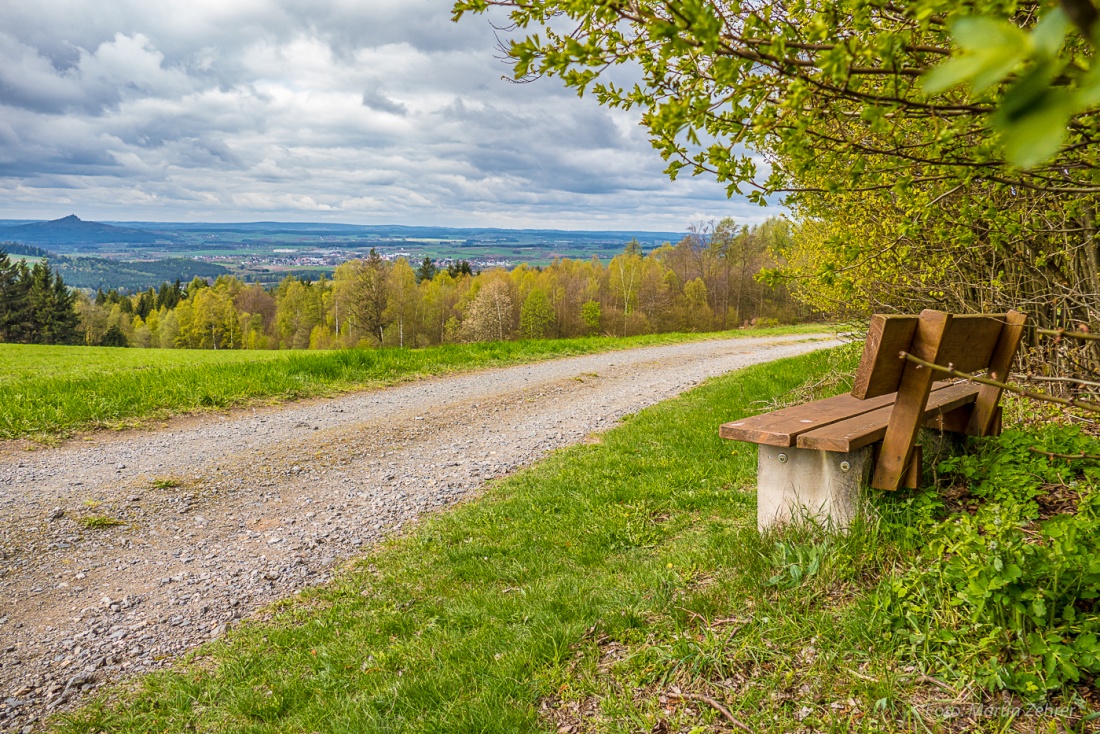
268, 501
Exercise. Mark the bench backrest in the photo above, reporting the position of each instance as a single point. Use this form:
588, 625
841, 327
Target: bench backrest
968, 343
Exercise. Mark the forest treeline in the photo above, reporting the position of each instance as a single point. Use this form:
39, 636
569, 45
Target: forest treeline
36, 307
705, 282
93, 273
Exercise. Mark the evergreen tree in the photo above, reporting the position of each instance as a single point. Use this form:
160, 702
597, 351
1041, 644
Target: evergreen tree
462, 267
14, 305
169, 295
426, 271
146, 302
53, 315
40, 302
375, 296
114, 338
64, 322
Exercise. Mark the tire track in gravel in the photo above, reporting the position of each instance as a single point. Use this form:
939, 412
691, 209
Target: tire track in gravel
270, 500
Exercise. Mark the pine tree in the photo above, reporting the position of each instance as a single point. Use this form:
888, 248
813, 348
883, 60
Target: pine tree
40, 302
426, 271
14, 306
462, 267
53, 315
374, 297
146, 301
64, 320
114, 338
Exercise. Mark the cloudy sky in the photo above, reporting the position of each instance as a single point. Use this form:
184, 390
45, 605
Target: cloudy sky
357, 111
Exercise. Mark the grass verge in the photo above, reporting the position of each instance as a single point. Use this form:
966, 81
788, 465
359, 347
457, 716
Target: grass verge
49, 391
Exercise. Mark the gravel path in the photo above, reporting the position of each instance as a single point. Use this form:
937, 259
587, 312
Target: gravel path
223, 514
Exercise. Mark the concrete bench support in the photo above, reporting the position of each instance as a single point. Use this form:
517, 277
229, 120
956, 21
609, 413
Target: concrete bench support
794, 483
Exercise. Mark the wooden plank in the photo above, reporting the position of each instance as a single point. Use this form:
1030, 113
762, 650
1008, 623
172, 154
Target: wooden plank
908, 413
970, 341
914, 470
880, 370
981, 421
782, 427
867, 428
998, 416
954, 421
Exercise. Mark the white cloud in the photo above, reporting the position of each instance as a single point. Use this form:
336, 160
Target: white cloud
380, 111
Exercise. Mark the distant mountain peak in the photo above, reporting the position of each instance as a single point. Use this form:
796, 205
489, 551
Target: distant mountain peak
72, 231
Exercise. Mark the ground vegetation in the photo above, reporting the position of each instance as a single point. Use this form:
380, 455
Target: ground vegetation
622, 585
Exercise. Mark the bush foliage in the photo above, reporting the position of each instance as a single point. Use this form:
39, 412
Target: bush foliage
1009, 594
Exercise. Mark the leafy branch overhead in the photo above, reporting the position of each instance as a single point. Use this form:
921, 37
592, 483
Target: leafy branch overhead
1048, 80
931, 153
805, 85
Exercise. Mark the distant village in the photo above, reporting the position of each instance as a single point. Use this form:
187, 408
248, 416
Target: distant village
295, 258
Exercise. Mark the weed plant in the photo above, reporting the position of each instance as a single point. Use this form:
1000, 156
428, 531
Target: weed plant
92, 522
1010, 597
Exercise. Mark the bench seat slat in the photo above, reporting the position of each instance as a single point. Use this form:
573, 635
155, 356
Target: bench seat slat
867, 428
783, 427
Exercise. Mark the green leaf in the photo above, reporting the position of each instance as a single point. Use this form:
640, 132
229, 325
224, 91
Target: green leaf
1088, 88
950, 73
991, 50
1050, 32
978, 33
1036, 137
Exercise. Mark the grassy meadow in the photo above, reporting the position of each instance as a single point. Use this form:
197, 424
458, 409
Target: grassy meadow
50, 390
24, 362
619, 586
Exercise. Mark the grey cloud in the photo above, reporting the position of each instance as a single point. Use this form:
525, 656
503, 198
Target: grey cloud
376, 99
343, 110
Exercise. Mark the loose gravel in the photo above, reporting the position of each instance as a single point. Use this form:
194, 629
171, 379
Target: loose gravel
119, 552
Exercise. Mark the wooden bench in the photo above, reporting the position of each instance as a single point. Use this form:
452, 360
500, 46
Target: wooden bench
815, 458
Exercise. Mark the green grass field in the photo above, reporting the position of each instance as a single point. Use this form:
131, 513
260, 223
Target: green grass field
25, 362
49, 391
614, 587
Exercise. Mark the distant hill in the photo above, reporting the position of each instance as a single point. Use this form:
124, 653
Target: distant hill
14, 248
73, 232
98, 272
